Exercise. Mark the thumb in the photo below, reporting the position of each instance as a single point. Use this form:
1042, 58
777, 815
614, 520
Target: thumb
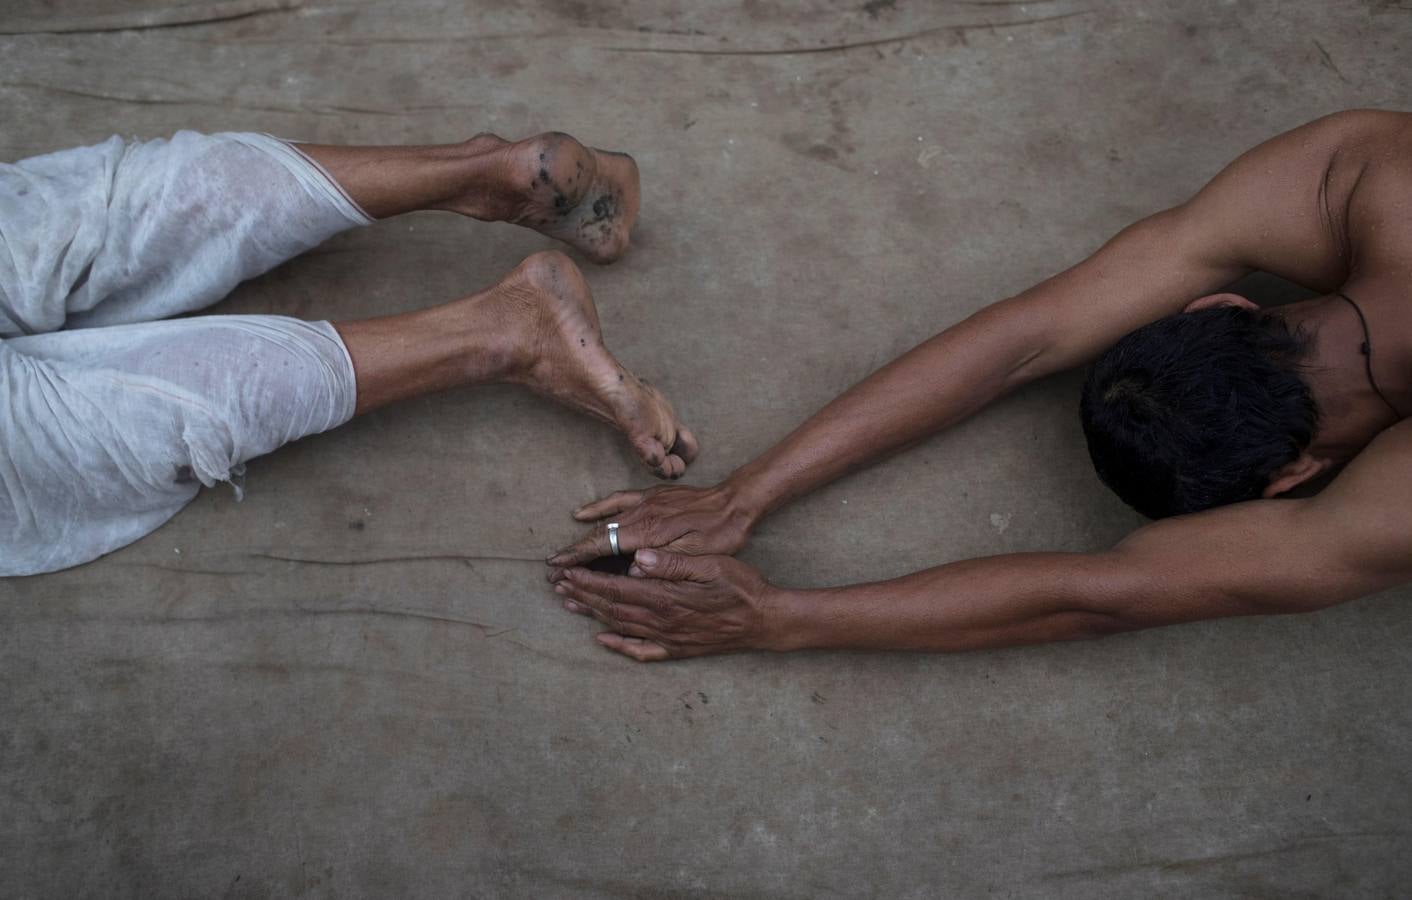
670, 566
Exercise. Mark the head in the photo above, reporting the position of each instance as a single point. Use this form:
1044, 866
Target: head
1201, 409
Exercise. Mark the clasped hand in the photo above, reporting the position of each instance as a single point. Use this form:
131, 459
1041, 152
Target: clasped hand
683, 594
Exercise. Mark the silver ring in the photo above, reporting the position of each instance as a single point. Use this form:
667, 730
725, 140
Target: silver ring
613, 538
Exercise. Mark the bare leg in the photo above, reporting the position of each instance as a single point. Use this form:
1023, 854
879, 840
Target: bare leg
536, 327
585, 197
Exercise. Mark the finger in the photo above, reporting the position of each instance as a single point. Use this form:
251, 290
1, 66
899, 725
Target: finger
631, 620
556, 574
637, 648
686, 446
615, 502
577, 609
593, 545
631, 592
670, 566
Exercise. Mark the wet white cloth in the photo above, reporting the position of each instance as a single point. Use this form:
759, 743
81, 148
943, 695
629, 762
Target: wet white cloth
106, 432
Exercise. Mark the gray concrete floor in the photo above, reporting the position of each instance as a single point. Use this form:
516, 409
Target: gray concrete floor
355, 682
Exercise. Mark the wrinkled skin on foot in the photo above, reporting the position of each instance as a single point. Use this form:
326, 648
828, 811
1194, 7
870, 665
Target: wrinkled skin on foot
562, 356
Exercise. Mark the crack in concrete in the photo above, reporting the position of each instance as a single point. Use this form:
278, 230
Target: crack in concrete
878, 42
147, 20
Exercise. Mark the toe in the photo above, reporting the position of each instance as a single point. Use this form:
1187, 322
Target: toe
651, 452
685, 446
673, 467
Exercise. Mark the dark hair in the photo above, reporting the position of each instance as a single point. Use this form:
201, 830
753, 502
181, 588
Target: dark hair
1197, 410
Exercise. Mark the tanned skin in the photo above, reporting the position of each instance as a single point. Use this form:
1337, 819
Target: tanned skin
1327, 206
537, 326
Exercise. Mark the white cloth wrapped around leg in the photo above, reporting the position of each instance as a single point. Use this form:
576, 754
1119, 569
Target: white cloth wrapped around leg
106, 432
109, 432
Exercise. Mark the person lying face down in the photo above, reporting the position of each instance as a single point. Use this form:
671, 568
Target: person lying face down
113, 420
1200, 410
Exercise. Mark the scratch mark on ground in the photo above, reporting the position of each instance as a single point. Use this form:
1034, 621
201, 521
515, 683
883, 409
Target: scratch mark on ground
1220, 858
297, 612
380, 560
146, 20
224, 103
833, 48
228, 103
1329, 61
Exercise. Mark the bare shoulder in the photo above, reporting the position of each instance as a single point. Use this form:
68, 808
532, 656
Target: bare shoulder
1368, 188
1352, 126
1284, 205
1367, 510
1365, 148
1390, 452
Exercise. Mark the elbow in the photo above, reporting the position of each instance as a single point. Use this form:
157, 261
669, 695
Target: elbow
1015, 332
1031, 365
1289, 604
1090, 624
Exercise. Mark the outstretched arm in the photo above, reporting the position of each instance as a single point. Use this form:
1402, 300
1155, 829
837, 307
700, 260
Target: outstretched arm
1256, 558
1253, 215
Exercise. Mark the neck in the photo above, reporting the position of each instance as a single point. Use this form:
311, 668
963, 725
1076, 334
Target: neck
1351, 413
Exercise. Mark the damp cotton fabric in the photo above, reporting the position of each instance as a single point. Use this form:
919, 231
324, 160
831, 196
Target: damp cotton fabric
111, 421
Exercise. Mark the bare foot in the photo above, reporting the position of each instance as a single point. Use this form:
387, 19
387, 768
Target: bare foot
584, 197
562, 356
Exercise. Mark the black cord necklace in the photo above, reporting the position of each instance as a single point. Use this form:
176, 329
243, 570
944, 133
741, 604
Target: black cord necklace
1367, 350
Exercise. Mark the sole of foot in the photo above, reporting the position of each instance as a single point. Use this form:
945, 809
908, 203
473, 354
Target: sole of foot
551, 183
569, 363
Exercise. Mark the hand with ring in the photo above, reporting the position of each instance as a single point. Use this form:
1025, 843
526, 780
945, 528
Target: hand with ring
674, 517
671, 606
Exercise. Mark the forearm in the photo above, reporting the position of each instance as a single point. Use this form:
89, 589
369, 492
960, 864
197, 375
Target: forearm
932, 386
1260, 558
998, 601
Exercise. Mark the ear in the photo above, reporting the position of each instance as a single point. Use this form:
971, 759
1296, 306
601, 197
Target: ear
1214, 300
1294, 473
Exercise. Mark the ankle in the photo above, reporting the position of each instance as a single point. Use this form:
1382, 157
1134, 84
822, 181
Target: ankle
477, 178
497, 337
